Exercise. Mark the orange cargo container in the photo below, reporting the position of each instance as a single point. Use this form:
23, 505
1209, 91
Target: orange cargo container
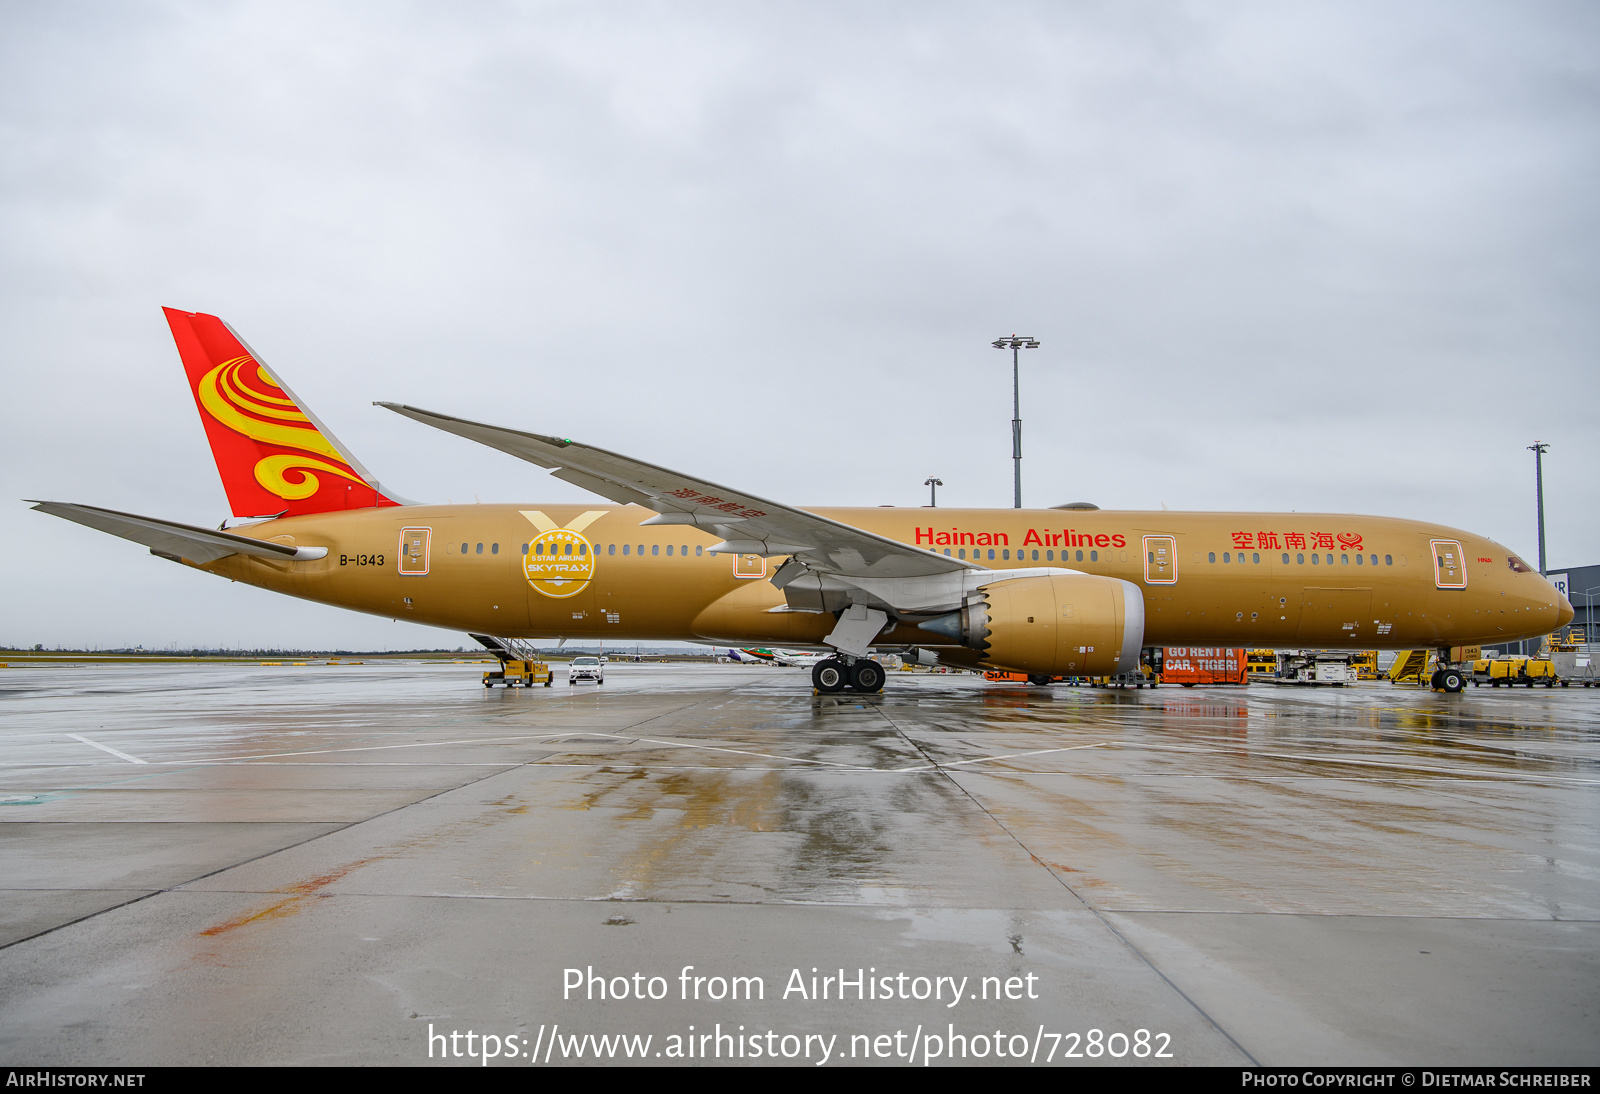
1191, 665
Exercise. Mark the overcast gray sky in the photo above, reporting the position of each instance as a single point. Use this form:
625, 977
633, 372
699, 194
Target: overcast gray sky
1314, 256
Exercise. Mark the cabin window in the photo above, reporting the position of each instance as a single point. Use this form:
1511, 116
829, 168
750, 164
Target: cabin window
960, 554
947, 552
1361, 560
611, 548
1255, 558
1226, 558
669, 550
494, 548
1036, 556
1211, 556
1286, 559
1300, 560
538, 548
655, 548
1007, 554
1080, 556
1330, 560
480, 548
1094, 556
1388, 560
583, 548
624, 548
1315, 559
684, 550
641, 550
463, 548
524, 548
1344, 560
698, 550
1049, 556
991, 554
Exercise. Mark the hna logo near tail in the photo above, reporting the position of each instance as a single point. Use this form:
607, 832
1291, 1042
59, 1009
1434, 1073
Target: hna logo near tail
274, 457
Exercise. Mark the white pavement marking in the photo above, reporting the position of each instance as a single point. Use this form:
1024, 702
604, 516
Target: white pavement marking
1008, 756
107, 748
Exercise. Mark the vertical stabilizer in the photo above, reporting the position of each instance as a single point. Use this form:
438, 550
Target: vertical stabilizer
273, 455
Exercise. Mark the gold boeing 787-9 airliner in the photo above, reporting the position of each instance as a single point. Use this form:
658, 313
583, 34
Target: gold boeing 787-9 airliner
1045, 592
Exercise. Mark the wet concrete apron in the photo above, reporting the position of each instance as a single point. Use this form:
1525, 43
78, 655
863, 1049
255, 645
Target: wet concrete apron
318, 864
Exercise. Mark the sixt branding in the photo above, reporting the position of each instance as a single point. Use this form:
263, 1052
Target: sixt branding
1067, 537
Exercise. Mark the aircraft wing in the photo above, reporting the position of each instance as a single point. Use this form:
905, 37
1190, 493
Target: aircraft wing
173, 540
747, 523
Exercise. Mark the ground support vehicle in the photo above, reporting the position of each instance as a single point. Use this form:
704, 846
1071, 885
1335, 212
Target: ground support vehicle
1122, 680
520, 663
512, 674
1314, 668
1261, 664
1527, 671
1366, 664
1191, 665
1583, 671
1021, 678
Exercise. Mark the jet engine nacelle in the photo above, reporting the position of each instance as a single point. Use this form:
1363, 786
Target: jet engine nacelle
1062, 625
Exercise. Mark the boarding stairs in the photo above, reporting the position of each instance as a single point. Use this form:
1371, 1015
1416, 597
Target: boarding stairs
508, 649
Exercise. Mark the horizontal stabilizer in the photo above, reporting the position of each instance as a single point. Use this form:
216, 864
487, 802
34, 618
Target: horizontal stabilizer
165, 537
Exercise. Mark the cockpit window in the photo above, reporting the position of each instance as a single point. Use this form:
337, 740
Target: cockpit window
1518, 566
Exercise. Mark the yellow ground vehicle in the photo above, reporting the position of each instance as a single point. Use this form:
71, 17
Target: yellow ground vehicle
1409, 665
1261, 662
514, 673
1511, 671
520, 663
1366, 664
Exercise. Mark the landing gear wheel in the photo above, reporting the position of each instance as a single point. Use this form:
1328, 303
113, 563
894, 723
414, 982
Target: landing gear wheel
866, 676
1450, 680
1039, 681
830, 676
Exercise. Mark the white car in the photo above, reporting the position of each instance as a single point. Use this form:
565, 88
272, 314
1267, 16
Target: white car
586, 668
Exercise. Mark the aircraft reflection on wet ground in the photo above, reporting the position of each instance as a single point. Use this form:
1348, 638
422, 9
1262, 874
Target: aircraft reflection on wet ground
253, 864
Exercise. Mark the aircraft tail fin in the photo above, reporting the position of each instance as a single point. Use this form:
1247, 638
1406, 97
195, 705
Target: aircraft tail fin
274, 456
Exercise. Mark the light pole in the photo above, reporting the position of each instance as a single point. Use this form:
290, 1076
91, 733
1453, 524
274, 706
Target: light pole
1015, 343
1539, 448
933, 485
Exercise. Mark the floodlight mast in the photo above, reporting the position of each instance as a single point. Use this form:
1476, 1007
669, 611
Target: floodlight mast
1539, 448
1014, 343
933, 485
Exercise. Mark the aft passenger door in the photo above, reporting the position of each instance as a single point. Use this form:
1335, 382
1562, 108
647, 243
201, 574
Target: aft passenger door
414, 544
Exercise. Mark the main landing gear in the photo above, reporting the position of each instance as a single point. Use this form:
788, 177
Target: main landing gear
833, 675
1451, 680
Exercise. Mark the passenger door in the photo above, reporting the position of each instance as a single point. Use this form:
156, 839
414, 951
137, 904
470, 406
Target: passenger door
1449, 564
414, 545
1160, 560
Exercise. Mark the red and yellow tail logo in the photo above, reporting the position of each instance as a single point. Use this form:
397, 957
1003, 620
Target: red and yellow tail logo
272, 455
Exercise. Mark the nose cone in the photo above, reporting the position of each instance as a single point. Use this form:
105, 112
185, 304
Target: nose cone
1564, 612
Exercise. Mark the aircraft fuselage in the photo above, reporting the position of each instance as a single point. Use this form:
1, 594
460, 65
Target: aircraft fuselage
1208, 579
